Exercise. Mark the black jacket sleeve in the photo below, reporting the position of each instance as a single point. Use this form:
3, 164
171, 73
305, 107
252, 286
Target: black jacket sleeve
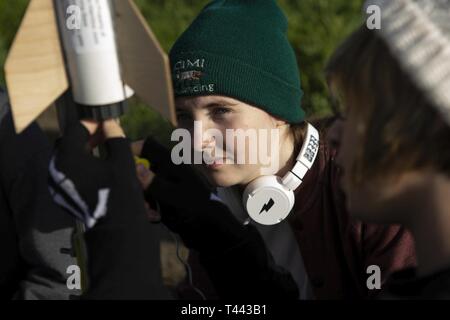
124, 261
11, 267
16, 153
234, 255
8, 239
248, 270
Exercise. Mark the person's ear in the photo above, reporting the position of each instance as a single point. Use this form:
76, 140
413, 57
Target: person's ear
279, 123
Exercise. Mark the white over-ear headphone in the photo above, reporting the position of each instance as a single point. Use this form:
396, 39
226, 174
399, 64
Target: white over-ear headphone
269, 199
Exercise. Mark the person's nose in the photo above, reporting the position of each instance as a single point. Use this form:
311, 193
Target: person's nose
203, 140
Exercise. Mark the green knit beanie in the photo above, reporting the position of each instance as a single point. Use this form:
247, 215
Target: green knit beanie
239, 49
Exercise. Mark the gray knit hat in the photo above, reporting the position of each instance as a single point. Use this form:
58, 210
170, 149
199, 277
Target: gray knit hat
418, 34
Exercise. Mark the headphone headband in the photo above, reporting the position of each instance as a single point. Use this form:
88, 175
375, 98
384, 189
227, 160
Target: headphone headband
305, 159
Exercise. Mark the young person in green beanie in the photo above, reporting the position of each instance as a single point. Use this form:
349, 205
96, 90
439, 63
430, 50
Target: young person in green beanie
393, 85
234, 68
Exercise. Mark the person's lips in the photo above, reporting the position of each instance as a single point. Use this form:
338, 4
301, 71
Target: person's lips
216, 164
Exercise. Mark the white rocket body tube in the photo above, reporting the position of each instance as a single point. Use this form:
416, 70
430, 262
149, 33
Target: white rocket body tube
87, 33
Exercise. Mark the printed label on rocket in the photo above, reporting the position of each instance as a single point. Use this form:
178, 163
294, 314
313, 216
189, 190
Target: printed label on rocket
86, 28
94, 27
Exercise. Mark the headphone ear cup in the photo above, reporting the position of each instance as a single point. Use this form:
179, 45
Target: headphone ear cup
267, 201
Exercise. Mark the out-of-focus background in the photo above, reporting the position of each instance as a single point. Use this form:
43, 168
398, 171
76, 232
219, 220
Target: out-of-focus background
315, 28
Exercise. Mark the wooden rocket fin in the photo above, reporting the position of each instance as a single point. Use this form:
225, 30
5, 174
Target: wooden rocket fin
34, 70
145, 65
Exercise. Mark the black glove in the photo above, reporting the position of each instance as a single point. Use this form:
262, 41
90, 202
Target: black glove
91, 188
185, 203
234, 255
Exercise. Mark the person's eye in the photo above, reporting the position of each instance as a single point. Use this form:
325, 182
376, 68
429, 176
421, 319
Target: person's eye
220, 112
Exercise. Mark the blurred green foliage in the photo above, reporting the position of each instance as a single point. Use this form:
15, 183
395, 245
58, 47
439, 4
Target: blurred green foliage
11, 13
316, 28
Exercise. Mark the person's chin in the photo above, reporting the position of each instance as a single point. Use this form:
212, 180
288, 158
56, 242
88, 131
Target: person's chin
219, 177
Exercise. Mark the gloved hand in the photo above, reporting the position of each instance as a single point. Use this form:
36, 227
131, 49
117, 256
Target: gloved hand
91, 188
184, 201
234, 255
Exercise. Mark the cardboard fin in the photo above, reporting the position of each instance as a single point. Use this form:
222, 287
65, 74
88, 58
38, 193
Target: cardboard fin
145, 65
35, 70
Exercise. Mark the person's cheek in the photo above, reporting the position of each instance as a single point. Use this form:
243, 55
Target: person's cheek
345, 155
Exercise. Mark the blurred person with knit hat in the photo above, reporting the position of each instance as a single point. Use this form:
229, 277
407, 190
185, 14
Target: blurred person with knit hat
393, 85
